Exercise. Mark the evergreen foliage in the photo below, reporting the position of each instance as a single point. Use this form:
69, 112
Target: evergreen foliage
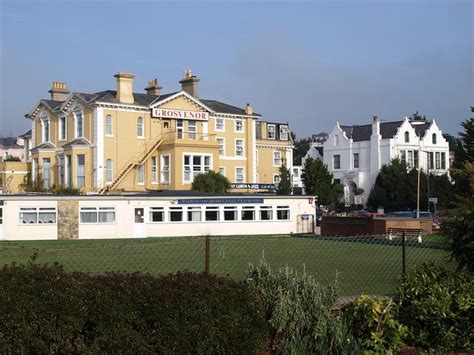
211, 182
284, 186
318, 181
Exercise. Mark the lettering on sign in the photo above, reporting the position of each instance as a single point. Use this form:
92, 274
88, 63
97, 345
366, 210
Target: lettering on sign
180, 114
220, 201
252, 186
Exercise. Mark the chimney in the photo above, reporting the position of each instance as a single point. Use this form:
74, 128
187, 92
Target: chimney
153, 88
375, 125
189, 83
248, 110
124, 87
59, 91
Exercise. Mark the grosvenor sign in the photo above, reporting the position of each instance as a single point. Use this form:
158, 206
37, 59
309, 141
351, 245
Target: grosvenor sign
179, 114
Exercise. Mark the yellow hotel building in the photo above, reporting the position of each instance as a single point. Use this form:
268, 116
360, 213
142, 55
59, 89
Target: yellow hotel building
128, 141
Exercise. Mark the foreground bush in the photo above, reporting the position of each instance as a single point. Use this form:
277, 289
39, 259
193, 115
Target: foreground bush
298, 311
374, 321
437, 307
45, 310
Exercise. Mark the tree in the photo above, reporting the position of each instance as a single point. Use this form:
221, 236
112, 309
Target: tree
211, 182
317, 180
463, 153
30, 185
301, 148
284, 186
11, 158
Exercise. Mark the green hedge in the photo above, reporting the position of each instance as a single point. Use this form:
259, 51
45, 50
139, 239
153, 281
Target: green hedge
46, 310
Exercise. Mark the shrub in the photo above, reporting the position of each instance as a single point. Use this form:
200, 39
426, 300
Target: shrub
298, 311
211, 182
374, 321
436, 305
46, 310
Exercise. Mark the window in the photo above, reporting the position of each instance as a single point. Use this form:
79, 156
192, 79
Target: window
239, 126
62, 128
46, 173
221, 143
154, 170
403, 156
44, 129
248, 213
337, 161
271, 131
410, 158
61, 170
165, 169
97, 215
336, 140
176, 214
416, 158
108, 126
79, 124
212, 213
157, 214
276, 179
283, 212
192, 130
296, 172
194, 165
81, 175
68, 171
222, 170
140, 128
38, 215
438, 160
356, 160
284, 133
108, 170
239, 175
219, 124
430, 160
276, 158
140, 174
179, 129
443, 160
239, 147
407, 137
194, 214
434, 138
266, 213
230, 213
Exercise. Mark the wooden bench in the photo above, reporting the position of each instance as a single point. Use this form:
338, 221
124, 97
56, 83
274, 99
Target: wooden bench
407, 232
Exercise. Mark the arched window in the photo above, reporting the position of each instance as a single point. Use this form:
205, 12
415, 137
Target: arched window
336, 140
108, 125
434, 139
44, 129
407, 137
108, 170
140, 127
78, 123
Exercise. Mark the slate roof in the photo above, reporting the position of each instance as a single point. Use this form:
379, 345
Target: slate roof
42, 146
52, 104
363, 132
9, 142
26, 134
222, 107
76, 142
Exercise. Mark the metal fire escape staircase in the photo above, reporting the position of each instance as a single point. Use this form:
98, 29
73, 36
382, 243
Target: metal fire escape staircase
141, 159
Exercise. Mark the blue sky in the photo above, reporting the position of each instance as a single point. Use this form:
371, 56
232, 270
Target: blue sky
306, 62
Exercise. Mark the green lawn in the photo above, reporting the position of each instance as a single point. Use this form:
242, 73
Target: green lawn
361, 265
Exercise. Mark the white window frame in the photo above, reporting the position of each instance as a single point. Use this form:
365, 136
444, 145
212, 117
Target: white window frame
222, 170
354, 160
212, 209
38, 213
165, 170
204, 168
434, 139
223, 146
217, 125
283, 209
275, 152
334, 162
45, 133
76, 113
242, 145
176, 210
438, 160
154, 169
267, 209
192, 129
156, 210
46, 173
239, 128
109, 126
284, 132
236, 175
62, 125
77, 171
140, 127
269, 130
109, 170
232, 209
249, 209
140, 174
195, 212
99, 212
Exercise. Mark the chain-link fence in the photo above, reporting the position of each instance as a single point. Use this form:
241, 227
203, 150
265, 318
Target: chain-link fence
369, 264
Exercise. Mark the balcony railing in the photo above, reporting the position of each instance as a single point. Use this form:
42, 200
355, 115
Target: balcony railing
172, 135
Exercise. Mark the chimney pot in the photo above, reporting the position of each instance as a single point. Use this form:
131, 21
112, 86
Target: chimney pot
153, 88
59, 91
189, 83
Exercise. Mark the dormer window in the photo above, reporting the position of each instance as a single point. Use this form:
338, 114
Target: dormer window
434, 138
271, 131
407, 137
78, 124
44, 129
284, 133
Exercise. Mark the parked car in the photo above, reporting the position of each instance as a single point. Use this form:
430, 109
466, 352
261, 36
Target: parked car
367, 214
412, 214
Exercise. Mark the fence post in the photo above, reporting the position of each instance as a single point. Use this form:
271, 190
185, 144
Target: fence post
404, 252
207, 253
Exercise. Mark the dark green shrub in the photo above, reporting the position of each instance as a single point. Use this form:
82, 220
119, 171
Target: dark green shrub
211, 182
437, 307
46, 310
298, 311
374, 321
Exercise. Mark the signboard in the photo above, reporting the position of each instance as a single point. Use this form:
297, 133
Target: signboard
358, 200
252, 186
180, 114
219, 201
433, 200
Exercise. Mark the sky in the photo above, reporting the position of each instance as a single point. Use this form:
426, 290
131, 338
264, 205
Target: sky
308, 63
